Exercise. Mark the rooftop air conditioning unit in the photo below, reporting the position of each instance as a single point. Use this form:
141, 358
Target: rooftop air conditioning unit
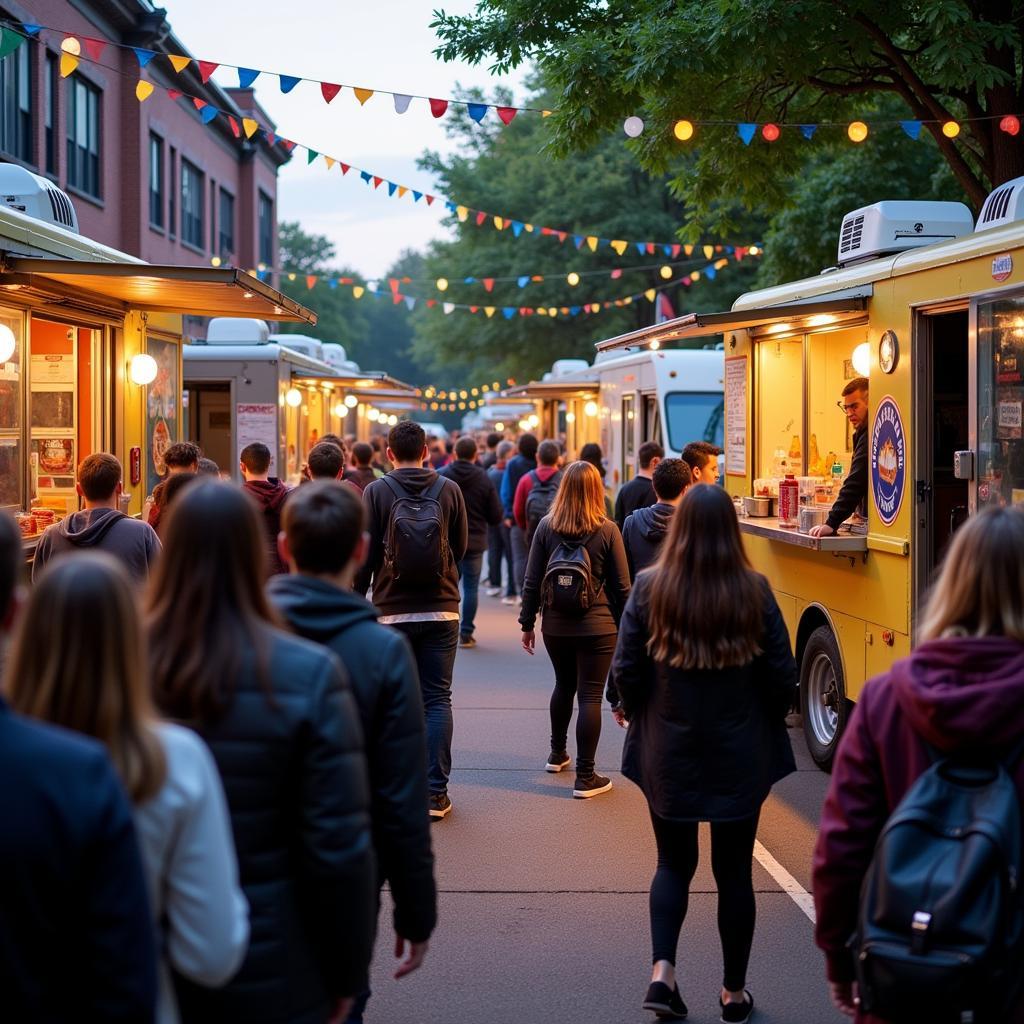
566, 367
237, 330
36, 197
1004, 205
335, 355
300, 343
899, 224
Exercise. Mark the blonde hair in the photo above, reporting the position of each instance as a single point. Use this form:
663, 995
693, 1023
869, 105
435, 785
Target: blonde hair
578, 508
79, 662
980, 587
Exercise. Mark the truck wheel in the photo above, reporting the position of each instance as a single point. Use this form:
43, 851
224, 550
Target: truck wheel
823, 702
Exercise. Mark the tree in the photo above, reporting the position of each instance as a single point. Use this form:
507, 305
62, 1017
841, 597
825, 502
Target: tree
790, 61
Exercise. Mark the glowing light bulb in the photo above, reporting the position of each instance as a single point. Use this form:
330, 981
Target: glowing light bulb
573, 278
683, 130
951, 129
8, 343
351, 401
590, 409
442, 284
858, 131
293, 396
666, 272
862, 359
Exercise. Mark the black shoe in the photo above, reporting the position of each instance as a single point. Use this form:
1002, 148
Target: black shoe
467, 640
737, 1013
440, 806
666, 1002
557, 761
591, 785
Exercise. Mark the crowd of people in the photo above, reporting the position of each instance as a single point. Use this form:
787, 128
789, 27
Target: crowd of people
231, 750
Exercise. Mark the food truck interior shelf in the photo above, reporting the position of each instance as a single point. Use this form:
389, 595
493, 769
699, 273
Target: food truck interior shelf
770, 530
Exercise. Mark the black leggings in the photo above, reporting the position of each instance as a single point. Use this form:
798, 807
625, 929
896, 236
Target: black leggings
581, 666
732, 852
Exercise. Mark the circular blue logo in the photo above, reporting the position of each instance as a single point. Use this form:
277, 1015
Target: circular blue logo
888, 460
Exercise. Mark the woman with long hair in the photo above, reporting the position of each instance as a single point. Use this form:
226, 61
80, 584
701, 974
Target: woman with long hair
95, 682
284, 731
591, 452
577, 577
706, 675
961, 691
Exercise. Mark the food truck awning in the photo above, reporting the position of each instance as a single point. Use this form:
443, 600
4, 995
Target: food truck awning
554, 389
809, 313
192, 291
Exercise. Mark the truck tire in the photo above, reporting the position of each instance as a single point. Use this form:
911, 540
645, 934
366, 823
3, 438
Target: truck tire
823, 704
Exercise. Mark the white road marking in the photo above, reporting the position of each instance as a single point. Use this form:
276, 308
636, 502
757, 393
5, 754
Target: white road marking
789, 885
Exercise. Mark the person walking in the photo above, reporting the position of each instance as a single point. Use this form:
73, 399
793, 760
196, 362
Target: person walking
576, 544
518, 466
180, 457
645, 529
536, 491
76, 935
960, 693
483, 510
639, 492
281, 722
324, 545
101, 525
591, 452
418, 536
705, 683
269, 494
490, 456
362, 473
94, 682
499, 541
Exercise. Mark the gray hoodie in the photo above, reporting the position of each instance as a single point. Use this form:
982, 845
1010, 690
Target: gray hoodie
132, 542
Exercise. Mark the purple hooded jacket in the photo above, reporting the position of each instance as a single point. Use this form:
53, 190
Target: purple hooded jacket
953, 694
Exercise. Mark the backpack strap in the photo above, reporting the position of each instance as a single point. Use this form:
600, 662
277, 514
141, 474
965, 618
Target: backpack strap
435, 489
395, 487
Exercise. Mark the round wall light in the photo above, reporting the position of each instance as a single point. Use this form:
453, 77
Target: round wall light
293, 396
888, 352
142, 369
8, 343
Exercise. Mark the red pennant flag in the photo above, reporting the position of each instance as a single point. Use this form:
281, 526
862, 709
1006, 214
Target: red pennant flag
329, 91
94, 47
377, 181
345, 168
311, 280
675, 250
206, 68
199, 104
393, 282
271, 137
562, 235
480, 218
687, 281
346, 280
397, 298
431, 303
430, 200
506, 113
489, 284
718, 248
739, 252
288, 144
438, 107
174, 94
616, 273
474, 309
650, 248
235, 130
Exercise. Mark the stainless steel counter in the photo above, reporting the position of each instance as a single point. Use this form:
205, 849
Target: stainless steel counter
769, 529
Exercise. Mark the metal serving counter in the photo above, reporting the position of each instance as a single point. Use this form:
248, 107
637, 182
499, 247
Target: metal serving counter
769, 528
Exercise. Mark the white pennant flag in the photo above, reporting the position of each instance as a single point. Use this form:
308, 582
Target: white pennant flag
448, 307
401, 103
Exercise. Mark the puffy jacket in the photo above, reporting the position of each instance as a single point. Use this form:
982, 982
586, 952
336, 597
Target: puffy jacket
704, 744
643, 534
483, 506
954, 694
385, 683
290, 754
515, 469
523, 488
270, 495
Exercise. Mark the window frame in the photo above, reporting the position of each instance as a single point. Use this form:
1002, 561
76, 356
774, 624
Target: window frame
51, 111
157, 195
265, 256
20, 143
172, 192
193, 222
225, 238
82, 169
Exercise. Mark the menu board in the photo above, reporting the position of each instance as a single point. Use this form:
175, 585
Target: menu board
257, 421
161, 408
736, 415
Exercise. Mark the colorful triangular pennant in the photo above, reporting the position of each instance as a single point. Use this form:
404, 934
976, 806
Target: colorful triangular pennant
178, 62
246, 76
506, 113
746, 132
143, 90
288, 82
328, 90
477, 111
401, 102
206, 69
9, 41
362, 95
143, 56
912, 128
438, 107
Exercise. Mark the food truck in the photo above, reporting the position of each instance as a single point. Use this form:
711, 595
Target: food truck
929, 306
90, 351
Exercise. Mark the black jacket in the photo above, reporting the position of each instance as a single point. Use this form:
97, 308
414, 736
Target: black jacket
384, 681
391, 596
294, 772
515, 469
644, 533
483, 506
610, 571
76, 935
853, 494
703, 744
638, 493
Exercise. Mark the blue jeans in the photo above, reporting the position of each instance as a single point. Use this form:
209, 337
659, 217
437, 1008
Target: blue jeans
469, 570
519, 555
499, 549
433, 646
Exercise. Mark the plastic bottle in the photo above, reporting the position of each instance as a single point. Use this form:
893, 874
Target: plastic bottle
789, 502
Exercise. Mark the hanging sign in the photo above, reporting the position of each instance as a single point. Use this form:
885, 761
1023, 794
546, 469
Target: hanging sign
1002, 267
736, 416
888, 460
257, 421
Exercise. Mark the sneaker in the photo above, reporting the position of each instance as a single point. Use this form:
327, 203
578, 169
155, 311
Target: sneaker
510, 600
666, 1002
592, 785
440, 806
737, 1013
467, 640
557, 761
492, 591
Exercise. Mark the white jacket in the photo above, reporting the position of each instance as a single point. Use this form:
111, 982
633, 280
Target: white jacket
188, 853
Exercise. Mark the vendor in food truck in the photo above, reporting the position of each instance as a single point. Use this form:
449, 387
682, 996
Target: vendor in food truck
853, 495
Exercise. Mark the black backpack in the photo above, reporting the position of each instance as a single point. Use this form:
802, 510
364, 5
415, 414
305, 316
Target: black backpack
416, 542
941, 912
539, 501
568, 584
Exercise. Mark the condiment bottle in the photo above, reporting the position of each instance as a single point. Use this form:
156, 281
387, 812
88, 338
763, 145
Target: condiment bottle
789, 502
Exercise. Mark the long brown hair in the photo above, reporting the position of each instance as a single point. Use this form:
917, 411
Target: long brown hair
706, 602
578, 508
79, 662
980, 587
206, 606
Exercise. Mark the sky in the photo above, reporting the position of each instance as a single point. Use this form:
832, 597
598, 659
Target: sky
376, 44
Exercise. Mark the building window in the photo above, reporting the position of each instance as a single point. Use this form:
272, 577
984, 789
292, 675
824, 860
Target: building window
227, 224
172, 191
16, 104
83, 136
156, 181
266, 230
50, 114
192, 188
213, 217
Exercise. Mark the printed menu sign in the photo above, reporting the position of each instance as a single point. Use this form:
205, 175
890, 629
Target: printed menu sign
257, 421
736, 415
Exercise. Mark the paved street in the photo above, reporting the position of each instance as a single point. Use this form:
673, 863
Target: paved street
543, 899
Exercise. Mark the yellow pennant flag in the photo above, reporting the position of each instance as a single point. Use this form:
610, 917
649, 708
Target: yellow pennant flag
709, 251
546, 113
542, 311
721, 263
249, 126
528, 227
650, 294
179, 63
143, 90
402, 190
461, 212
498, 222
357, 291
592, 242
68, 63
330, 161
363, 95
564, 311
688, 250
618, 245
489, 310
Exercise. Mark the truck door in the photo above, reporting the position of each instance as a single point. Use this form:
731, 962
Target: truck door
652, 419
628, 429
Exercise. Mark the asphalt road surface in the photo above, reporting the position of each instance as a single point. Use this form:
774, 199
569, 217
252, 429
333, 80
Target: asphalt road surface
543, 899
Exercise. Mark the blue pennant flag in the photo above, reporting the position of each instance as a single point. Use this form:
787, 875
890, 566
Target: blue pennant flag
32, 30
710, 273
450, 206
729, 249
746, 132
288, 82
246, 76
262, 275
143, 56
477, 111
208, 113
517, 228
667, 250
578, 240
808, 130
912, 128
523, 281
508, 312
573, 310
641, 247
392, 188
366, 176
468, 280
416, 196
410, 302
332, 283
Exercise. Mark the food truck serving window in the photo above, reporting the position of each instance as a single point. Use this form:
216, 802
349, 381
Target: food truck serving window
694, 416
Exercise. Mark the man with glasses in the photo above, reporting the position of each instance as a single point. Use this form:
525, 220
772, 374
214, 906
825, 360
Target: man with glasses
853, 494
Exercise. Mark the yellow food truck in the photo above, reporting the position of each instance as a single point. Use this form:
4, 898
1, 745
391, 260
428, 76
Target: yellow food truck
929, 306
